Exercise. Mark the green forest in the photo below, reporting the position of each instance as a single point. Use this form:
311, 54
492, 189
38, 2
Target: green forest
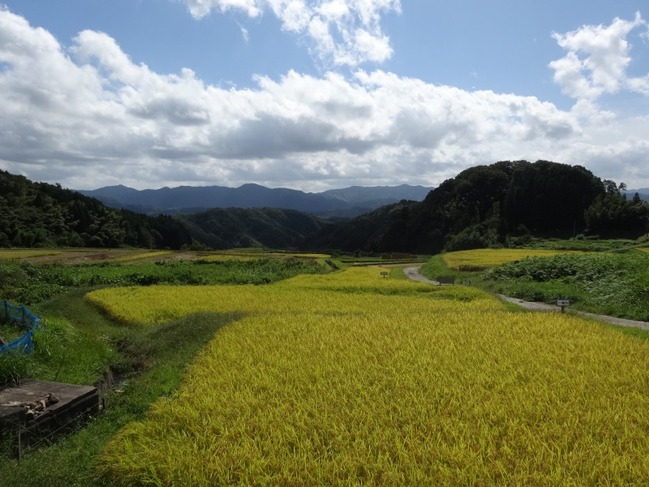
45, 215
502, 204
498, 205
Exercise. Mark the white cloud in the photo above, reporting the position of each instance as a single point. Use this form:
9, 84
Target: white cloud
342, 32
88, 116
201, 8
597, 59
244, 34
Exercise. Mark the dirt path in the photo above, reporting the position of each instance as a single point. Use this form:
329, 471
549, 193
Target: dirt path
413, 273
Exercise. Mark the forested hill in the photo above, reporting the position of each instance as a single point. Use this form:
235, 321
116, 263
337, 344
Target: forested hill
223, 228
501, 203
39, 215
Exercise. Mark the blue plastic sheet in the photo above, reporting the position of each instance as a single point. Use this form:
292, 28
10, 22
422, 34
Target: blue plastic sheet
23, 344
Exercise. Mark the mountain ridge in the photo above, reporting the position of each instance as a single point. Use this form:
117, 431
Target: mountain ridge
346, 202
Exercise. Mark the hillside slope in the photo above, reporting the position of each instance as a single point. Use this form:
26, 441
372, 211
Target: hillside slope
44, 215
223, 228
497, 204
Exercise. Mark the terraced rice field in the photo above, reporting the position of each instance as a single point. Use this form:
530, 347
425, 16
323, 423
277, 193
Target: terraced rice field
349, 378
14, 254
481, 259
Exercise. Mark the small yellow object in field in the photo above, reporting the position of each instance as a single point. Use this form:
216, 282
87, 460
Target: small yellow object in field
350, 378
480, 259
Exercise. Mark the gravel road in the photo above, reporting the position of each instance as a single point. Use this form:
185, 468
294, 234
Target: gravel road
413, 273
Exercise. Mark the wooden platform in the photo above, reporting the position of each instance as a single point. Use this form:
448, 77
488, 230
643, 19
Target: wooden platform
75, 406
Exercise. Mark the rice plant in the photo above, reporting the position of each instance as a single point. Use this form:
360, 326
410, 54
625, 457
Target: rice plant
350, 378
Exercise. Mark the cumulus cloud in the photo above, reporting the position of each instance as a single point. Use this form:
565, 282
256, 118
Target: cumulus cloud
596, 60
86, 116
341, 32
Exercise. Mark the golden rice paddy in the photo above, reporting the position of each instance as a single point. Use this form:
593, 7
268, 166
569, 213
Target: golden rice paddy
25, 253
352, 379
481, 259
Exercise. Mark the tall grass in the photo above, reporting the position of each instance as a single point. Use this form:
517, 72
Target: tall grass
607, 283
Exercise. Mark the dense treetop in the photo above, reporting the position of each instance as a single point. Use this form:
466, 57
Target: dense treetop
497, 204
44, 215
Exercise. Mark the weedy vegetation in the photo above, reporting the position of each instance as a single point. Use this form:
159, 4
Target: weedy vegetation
608, 283
613, 283
29, 283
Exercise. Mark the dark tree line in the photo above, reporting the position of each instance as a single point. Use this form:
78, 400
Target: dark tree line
484, 206
492, 205
45, 215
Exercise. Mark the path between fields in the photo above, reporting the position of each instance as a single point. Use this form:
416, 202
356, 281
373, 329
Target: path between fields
413, 273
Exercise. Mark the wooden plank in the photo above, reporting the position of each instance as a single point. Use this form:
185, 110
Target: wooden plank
33, 390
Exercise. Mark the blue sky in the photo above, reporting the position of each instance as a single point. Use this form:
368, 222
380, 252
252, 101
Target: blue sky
319, 94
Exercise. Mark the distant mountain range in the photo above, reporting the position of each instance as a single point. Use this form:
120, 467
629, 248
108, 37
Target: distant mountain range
505, 203
642, 192
346, 202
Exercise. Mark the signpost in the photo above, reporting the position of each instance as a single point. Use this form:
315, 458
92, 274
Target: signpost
563, 303
384, 273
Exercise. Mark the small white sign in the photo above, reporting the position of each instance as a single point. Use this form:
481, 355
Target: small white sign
563, 302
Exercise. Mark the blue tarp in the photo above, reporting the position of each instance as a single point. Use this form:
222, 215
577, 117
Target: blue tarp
23, 344
23, 318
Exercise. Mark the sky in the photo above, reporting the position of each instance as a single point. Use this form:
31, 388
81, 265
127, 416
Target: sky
319, 94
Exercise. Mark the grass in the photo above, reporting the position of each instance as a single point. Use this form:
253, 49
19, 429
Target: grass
611, 283
436, 266
29, 283
615, 284
150, 363
9, 331
583, 244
